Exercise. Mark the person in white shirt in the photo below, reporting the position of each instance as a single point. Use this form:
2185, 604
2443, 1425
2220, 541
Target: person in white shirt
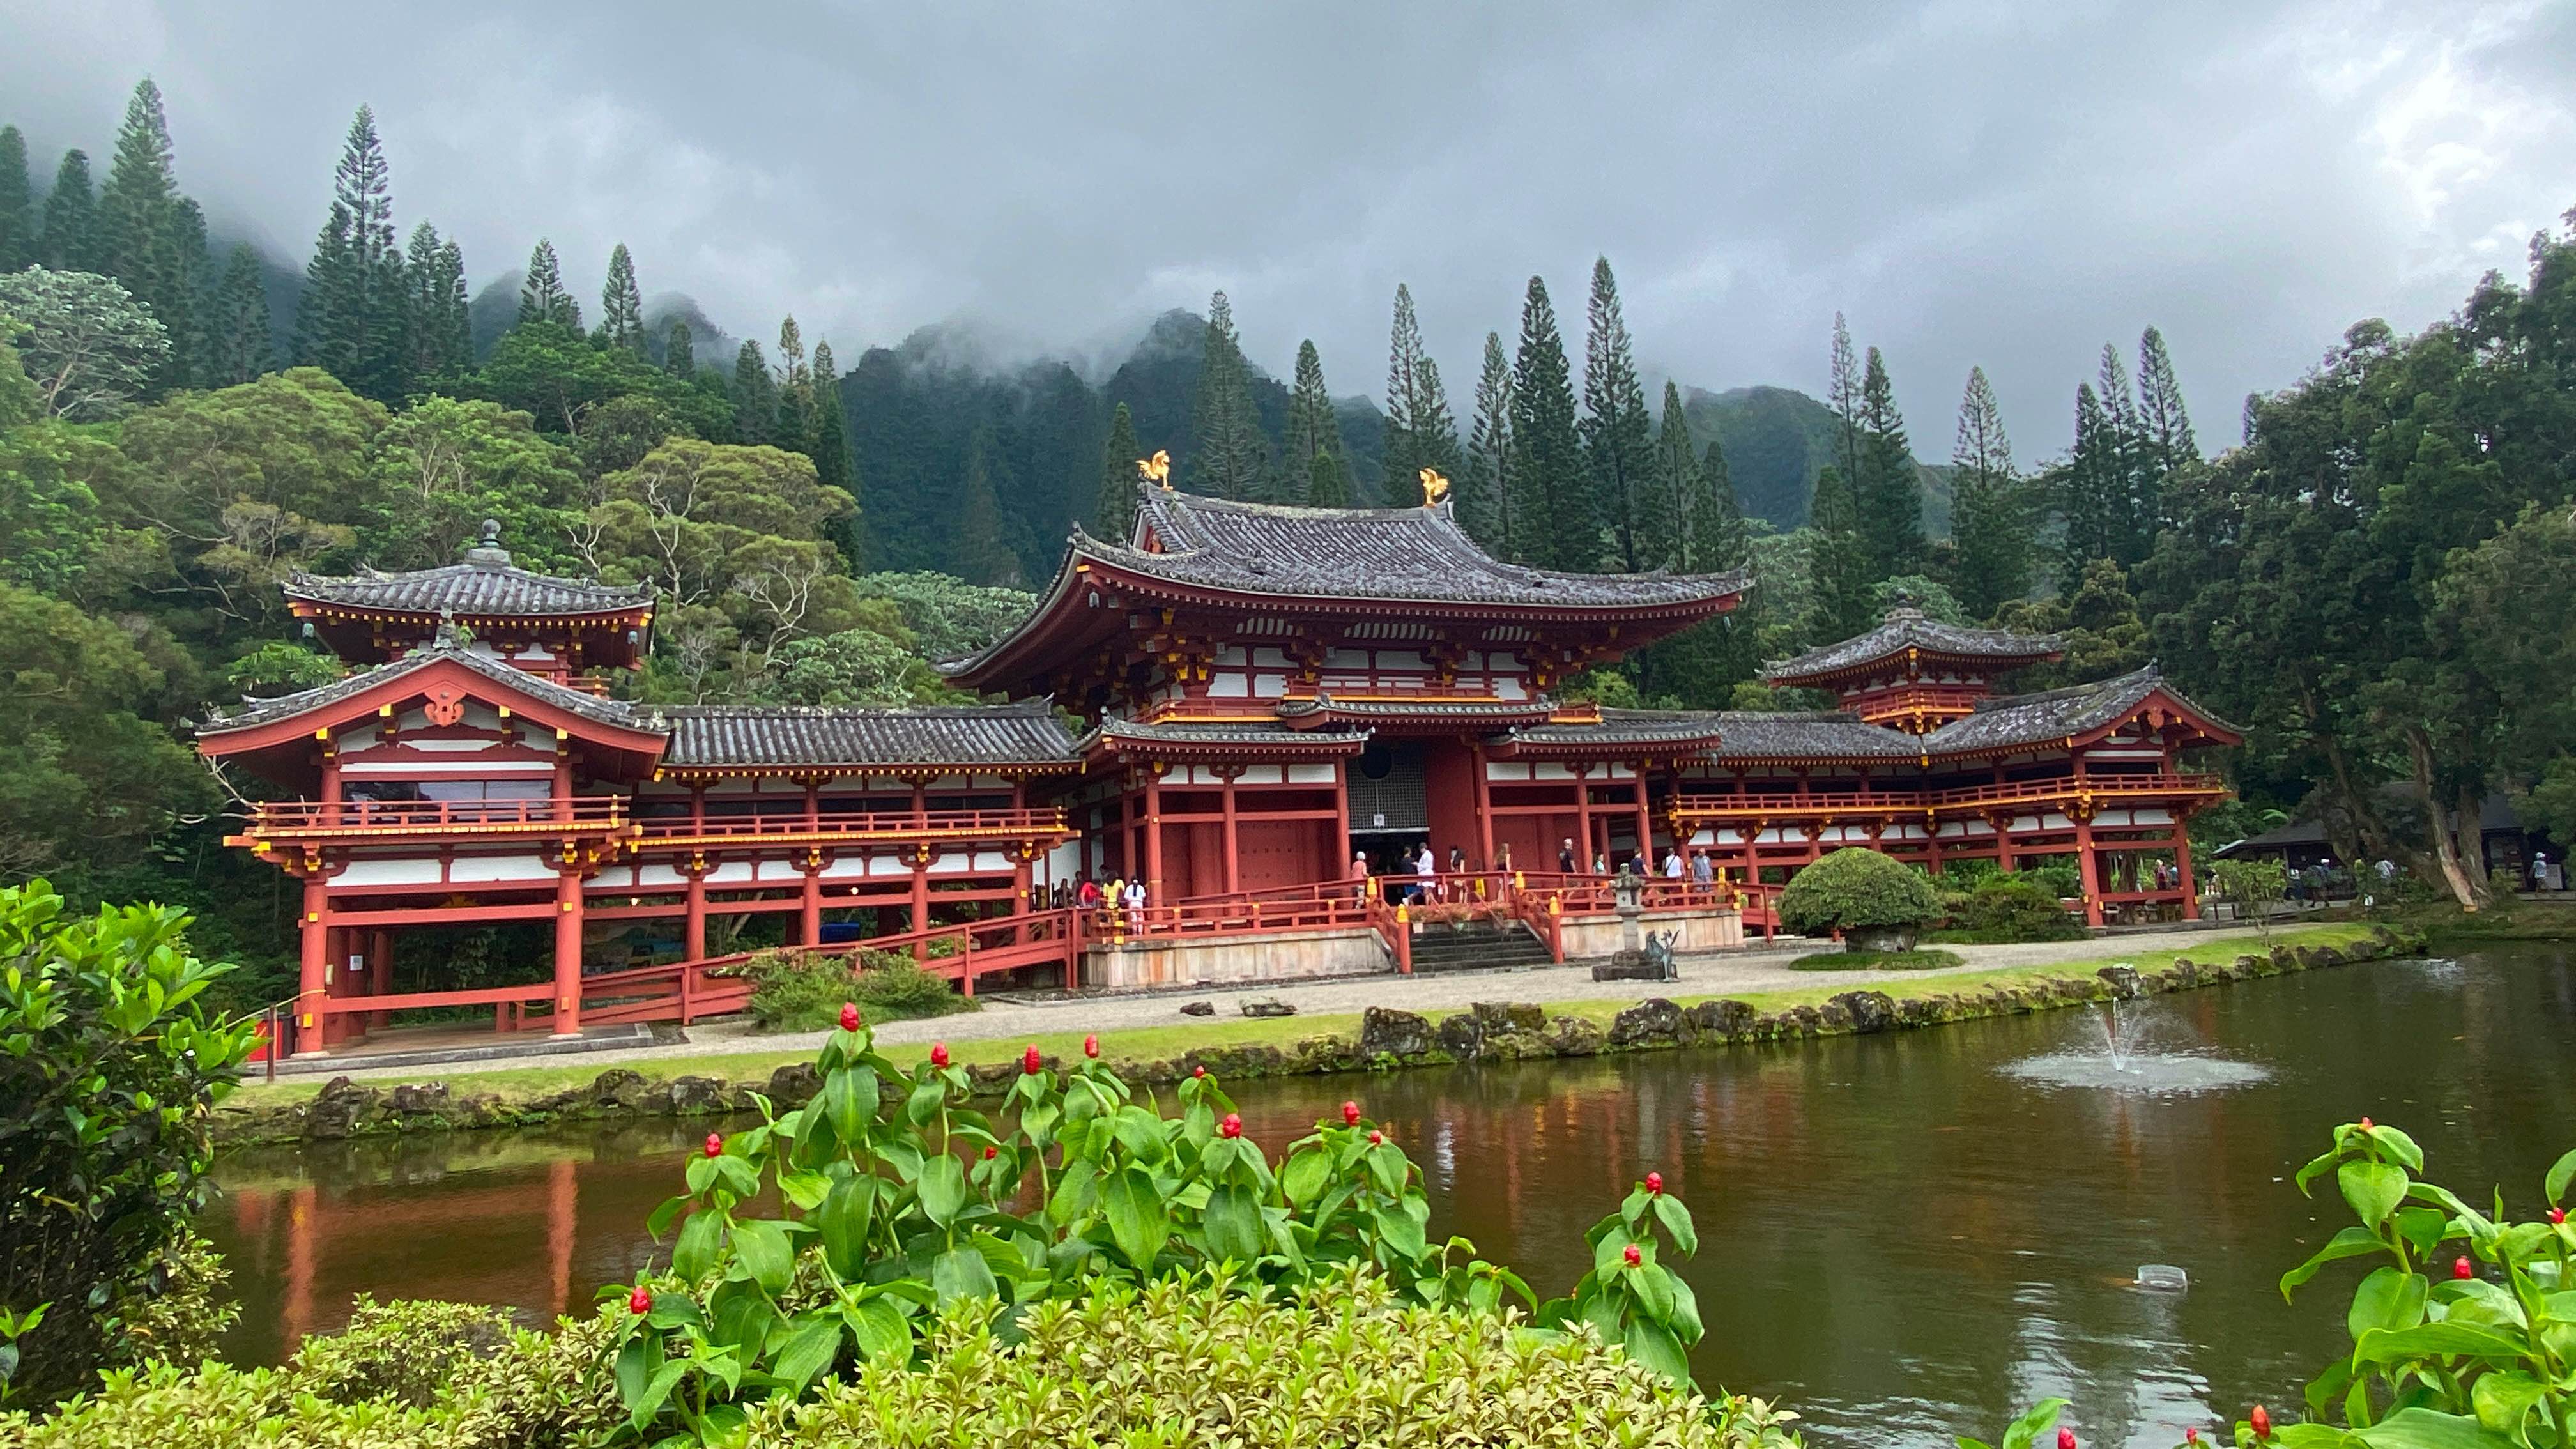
1135, 907
1672, 864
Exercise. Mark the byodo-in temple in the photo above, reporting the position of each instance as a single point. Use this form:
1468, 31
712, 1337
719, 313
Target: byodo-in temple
1231, 705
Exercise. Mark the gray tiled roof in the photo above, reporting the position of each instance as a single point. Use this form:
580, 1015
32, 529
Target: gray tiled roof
1905, 629
998, 736
1763, 735
286, 706
1249, 735
474, 588
1407, 554
1433, 709
1653, 728
2038, 718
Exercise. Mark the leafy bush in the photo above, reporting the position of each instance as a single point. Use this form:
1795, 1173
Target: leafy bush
2063, 880
1854, 888
1876, 961
1197, 1362
109, 1069
1343, 1360
2007, 908
2253, 886
934, 1209
794, 990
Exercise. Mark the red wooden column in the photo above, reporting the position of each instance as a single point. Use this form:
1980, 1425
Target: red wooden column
809, 909
1341, 843
1582, 818
2003, 840
1153, 835
1484, 807
1645, 823
1233, 865
921, 899
693, 933
313, 967
2182, 863
2092, 870
568, 950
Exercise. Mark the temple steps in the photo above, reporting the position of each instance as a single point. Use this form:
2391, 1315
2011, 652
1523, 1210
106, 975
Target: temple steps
1478, 946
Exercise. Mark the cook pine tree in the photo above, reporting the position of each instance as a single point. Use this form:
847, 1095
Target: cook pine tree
1618, 439
1564, 530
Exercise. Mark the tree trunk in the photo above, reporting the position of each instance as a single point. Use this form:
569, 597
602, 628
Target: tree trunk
2470, 893
2373, 834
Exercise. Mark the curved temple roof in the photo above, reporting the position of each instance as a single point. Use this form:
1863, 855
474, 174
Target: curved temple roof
1905, 629
1263, 552
476, 588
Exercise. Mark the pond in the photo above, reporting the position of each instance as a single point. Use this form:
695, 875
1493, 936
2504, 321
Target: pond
1902, 1237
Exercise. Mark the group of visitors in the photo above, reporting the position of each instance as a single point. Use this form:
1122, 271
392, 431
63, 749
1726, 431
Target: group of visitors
1087, 894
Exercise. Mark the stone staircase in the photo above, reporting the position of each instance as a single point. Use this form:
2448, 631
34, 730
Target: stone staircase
1477, 946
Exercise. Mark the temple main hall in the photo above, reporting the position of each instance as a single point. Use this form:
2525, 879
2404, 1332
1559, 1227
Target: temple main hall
1229, 705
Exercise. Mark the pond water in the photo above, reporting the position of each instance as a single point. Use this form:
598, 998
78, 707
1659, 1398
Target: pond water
1902, 1237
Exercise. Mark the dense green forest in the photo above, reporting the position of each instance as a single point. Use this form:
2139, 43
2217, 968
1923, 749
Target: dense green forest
2377, 582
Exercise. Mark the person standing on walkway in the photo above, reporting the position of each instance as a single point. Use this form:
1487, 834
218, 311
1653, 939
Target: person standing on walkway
1702, 873
1135, 900
1358, 876
1565, 857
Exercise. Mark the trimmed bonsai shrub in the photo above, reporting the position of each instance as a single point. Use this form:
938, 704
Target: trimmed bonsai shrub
1876, 902
795, 990
2006, 908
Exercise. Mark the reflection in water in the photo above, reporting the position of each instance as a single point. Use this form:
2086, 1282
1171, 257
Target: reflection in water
1899, 1236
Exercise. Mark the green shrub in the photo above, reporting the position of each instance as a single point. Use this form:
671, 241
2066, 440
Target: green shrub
2007, 908
1854, 888
795, 990
1345, 1361
1876, 961
2062, 879
109, 1070
184, 1313
2254, 886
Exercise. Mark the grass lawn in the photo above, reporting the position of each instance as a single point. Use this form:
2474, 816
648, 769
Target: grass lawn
1877, 961
1165, 1042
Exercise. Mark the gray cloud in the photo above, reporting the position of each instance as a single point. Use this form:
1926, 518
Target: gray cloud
1971, 181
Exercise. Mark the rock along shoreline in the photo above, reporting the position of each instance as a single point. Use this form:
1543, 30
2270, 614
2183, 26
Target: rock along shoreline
1388, 1039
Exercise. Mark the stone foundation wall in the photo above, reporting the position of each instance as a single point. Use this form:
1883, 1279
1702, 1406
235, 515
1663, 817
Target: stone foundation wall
1702, 930
1217, 960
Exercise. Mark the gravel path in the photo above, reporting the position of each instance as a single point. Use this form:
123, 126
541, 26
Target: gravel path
1731, 972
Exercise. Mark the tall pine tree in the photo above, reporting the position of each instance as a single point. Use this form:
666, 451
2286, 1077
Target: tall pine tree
1720, 539
1990, 515
1618, 437
18, 235
1842, 396
2092, 491
1312, 427
2164, 422
831, 450
755, 397
542, 297
1420, 430
70, 241
1485, 490
1328, 485
355, 315
1889, 489
1113, 509
238, 347
1233, 453
441, 336
1677, 487
143, 236
980, 553
621, 304
1840, 603
680, 350
1564, 532
795, 428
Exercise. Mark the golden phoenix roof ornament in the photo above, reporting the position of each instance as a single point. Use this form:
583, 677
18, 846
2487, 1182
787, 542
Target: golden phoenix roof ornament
1156, 469
1434, 487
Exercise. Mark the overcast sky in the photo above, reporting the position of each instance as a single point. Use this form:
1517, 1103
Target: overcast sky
1971, 181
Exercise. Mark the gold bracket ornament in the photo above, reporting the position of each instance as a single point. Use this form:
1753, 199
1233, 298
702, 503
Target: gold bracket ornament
1156, 469
1434, 487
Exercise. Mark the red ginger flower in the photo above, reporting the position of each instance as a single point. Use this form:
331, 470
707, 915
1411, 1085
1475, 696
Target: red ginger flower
1030, 1062
640, 1302
2461, 1267
1198, 1071
2260, 1421
2365, 1124
2065, 1439
1633, 1256
1350, 1114
1376, 1137
1091, 1045
849, 1016
1654, 1184
939, 1054
2558, 1215
715, 1145
1232, 1126
2191, 1435
991, 1152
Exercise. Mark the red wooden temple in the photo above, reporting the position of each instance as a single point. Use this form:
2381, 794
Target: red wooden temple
1228, 705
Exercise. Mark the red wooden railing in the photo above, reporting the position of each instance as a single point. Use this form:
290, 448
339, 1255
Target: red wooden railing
1705, 804
898, 824
311, 816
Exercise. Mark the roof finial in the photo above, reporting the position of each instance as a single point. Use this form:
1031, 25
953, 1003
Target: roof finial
489, 551
1156, 469
448, 636
1434, 487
